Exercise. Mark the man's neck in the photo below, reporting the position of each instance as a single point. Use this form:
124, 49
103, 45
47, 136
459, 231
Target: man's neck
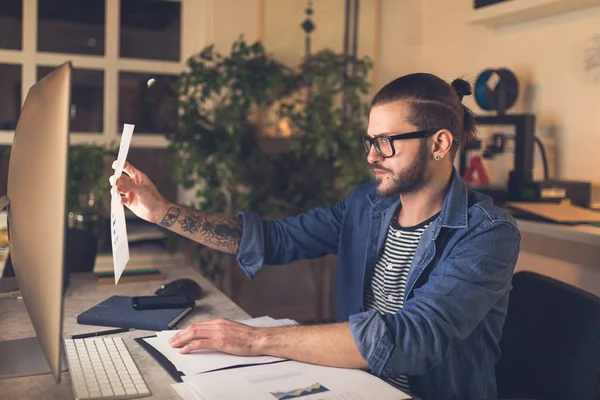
420, 206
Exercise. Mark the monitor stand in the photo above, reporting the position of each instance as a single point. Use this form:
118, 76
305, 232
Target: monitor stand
24, 357
21, 357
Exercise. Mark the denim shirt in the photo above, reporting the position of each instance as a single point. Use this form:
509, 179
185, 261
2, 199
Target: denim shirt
446, 336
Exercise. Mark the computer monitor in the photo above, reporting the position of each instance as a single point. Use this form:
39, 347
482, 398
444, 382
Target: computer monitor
37, 222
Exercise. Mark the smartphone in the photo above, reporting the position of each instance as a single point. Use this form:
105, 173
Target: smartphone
161, 302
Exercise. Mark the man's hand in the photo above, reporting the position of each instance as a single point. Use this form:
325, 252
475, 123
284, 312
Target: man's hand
139, 194
221, 334
330, 345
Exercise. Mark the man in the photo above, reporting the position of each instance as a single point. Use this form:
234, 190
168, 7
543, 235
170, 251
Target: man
424, 265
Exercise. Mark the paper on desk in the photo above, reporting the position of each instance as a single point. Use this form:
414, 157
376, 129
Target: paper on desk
118, 228
260, 322
290, 380
205, 360
185, 391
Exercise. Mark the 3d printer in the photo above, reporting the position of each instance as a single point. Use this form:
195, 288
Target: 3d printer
497, 90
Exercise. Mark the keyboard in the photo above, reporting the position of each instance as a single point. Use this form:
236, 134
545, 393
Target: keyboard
102, 368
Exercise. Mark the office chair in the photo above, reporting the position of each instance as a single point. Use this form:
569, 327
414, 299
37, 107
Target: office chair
550, 343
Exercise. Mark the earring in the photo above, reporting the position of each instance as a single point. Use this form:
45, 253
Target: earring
437, 157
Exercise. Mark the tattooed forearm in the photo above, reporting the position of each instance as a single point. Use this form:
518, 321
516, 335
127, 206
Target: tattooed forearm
216, 231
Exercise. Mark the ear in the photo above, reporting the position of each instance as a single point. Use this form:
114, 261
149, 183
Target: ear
441, 143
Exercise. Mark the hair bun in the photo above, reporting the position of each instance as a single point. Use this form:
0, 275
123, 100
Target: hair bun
462, 88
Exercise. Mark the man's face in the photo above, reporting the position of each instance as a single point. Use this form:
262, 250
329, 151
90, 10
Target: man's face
407, 171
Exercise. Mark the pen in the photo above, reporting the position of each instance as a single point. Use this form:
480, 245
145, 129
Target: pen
93, 334
15, 294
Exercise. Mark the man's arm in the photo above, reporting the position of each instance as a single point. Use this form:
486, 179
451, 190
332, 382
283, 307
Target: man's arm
219, 232
330, 345
140, 195
457, 296
309, 235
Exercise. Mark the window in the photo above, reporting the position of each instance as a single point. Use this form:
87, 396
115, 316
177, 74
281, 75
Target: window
87, 97
10, 96
11, 24
150, 29
152, 110
71, 26
115, 46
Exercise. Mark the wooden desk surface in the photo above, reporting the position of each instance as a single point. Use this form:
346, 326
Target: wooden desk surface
82, 294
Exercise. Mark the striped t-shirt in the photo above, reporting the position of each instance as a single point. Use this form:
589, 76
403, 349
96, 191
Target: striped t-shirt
386, 291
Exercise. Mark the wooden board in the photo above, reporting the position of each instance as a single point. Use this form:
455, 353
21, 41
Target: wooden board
558, 212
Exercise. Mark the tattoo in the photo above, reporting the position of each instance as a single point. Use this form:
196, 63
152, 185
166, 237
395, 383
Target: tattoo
170, 217
227, 230
217, 231
191, 223
222, 231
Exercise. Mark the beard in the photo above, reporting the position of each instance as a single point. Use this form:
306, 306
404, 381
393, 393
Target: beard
409, 180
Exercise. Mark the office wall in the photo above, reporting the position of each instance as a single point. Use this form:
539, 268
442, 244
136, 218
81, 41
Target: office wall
232, 18
400, 39
284, 38
546, 55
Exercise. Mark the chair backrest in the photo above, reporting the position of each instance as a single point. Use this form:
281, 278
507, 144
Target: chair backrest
550, 342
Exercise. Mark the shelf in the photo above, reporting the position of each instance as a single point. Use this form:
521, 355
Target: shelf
584, 233
514, 11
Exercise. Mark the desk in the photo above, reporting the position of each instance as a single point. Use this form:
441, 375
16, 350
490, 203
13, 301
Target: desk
569, 253
583, 233
82, 294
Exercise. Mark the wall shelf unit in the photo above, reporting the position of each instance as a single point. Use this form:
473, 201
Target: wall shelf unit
515, 11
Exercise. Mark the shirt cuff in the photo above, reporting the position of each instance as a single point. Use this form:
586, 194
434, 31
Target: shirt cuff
251, 253
372, 339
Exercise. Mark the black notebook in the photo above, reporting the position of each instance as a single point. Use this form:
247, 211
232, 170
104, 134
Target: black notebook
118, 311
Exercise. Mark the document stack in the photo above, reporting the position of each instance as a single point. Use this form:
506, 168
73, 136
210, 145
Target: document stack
208, 375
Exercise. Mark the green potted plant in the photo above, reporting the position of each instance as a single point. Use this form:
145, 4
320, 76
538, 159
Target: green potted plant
326, 125
222, 156
88, 194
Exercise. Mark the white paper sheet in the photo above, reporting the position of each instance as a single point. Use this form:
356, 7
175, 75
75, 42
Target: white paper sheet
185, 391
118, 227
290, 380
118, 234
205, 360
123, 148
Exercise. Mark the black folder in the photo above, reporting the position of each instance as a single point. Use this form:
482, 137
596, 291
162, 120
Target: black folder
118, 311
169, 367
160, 359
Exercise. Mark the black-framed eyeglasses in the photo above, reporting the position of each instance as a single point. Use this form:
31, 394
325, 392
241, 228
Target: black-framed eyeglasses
384, 144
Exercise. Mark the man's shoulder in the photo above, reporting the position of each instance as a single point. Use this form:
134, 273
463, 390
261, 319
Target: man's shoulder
482, 210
